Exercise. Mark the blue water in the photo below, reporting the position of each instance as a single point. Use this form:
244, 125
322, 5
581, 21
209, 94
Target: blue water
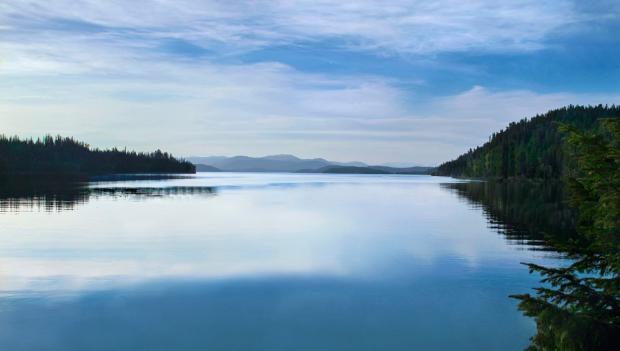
261, 262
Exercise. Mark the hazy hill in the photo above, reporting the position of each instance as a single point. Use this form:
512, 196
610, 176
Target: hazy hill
347, 170
405, 170
206, 168
272, 163
530, 148
369, 170
208, 160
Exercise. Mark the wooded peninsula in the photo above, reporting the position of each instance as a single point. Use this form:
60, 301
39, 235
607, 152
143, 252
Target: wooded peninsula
67, 157
532, 148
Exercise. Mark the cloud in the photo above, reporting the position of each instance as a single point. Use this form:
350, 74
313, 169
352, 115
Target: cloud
192, 107
268, 108
150, 74
418, 27
478, 112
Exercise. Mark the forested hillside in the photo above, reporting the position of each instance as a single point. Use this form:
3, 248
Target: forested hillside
530, 148
66, 157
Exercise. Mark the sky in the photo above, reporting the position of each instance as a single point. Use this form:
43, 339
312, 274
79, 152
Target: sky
416, 82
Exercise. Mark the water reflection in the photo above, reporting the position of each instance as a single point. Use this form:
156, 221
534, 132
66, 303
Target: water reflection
261, 225
61, 195
526, 213
287, 261
31, 194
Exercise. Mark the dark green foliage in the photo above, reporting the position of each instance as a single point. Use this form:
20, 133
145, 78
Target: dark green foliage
530, 148
66, 157
596, 188
579, 306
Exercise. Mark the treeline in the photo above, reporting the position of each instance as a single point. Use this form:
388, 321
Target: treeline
66, 157
577, 306
530, 148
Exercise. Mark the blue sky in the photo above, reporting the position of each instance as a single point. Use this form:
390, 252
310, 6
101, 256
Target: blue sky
399, 81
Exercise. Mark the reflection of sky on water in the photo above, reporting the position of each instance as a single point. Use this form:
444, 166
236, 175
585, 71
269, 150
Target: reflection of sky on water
246, 180
361, 227
264, 262
431, 310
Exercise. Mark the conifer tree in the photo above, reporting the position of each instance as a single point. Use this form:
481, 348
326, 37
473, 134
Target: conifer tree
578, 308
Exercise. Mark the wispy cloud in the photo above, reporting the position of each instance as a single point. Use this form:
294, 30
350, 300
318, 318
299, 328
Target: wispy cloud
419, 27
266, 108
122, 72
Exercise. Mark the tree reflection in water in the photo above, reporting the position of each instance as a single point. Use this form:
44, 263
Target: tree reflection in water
62, 195
576, 307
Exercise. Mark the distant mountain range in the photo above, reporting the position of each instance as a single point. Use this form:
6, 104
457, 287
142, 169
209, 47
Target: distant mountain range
206, 168
290, 163
370, 170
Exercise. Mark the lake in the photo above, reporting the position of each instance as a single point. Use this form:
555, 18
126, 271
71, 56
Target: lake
256, 261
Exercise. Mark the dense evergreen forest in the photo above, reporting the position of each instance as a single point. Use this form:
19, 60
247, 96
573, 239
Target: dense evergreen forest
578, 305
67, 157
530, 148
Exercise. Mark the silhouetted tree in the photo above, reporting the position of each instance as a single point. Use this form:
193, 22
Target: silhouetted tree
67, 157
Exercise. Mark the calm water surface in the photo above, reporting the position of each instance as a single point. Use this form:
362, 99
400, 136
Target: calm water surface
232, 261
